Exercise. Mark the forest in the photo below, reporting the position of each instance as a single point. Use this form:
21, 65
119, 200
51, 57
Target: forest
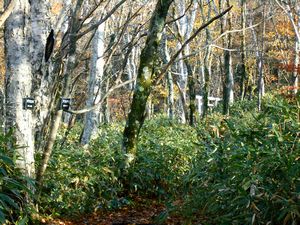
150, 112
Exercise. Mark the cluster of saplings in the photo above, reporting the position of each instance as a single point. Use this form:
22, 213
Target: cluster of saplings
238, 169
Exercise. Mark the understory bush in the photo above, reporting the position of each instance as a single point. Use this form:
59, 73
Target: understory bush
242, 169
13, 185
83, 180
249, 173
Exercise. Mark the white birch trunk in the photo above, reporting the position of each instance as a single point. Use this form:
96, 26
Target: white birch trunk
185, 28
297, 65
18, 84
287, 8
130, 64
2, 110
40, 25
297, 52
92, 118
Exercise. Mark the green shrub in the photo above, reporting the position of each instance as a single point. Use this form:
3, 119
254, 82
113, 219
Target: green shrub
250, 173
242, 169
13, 189
79, 180
165, 152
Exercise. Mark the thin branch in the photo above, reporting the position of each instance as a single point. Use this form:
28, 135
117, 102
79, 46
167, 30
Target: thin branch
94, 26
290, 16
163, 71
7, 12
178, 18
95, 106
222, 35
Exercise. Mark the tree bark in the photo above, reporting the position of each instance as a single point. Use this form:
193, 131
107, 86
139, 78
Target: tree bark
9, 9
243, 73
261, 83
41, 27
228, 95
165, 56
145, 79
64, 93
2, 110
92, 118
206, 64
18, 84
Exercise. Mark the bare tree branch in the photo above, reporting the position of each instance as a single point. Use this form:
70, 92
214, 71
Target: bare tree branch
94, 26
85, 110
172, 60
7, 12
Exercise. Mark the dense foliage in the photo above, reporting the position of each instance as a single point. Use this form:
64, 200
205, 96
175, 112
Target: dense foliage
242, 169
250, 172
13, 186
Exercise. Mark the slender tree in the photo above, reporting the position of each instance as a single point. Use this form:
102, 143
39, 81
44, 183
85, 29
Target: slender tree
243, 72
145, 79
228, 95
92, 118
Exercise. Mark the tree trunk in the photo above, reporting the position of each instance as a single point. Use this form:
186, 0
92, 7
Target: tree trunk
65, 93
2, 110
18, 84
92, 118
41, 27
297, 66
9, 8
261, 84
228, 95
165, 56
206, 90
206, 64
145, 79
192, 92
243, 73
297, 48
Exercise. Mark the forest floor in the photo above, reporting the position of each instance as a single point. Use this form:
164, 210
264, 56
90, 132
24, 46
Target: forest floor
142, 212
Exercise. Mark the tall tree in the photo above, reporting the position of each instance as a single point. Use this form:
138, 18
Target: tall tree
260, 61
207, 59
92, 118
243, 72
170, 84
145, 79
18, 84
292, 10
228, 95
65, 92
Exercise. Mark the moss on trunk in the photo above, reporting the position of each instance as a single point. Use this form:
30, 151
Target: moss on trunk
145, 78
